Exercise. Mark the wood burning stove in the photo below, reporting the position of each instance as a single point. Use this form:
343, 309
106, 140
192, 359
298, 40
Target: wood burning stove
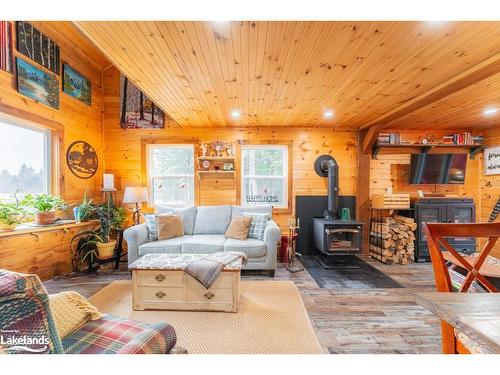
337, 241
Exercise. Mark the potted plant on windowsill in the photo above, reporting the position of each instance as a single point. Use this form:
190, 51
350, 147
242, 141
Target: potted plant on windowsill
45, 206
11, 214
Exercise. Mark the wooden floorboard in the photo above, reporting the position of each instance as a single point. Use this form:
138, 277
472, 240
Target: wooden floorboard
345, 320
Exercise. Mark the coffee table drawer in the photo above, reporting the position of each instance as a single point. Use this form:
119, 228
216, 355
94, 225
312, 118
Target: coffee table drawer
159, 277
202, 295
224, 281
158, 294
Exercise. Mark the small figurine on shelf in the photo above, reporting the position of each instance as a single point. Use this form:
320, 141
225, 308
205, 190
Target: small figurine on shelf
204, 149
218, 146
293, 264
230, 150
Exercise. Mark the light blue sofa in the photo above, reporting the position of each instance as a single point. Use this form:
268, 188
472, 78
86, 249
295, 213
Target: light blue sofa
204, 229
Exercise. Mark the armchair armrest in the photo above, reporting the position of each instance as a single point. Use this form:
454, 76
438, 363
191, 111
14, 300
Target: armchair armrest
158, 338
272, 235
135, 237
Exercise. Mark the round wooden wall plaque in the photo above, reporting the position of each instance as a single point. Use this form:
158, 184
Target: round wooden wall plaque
82, 159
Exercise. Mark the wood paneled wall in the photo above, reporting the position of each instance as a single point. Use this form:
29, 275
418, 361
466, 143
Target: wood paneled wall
77, 120
490, 185
122, 153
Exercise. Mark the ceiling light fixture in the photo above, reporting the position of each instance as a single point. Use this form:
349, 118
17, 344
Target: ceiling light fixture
490, 111
235, 113
328, 114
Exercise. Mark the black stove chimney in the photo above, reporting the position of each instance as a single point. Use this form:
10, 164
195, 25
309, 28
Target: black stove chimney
326, 166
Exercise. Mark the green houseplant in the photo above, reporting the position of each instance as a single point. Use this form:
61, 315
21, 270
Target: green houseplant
98, 243
85, 209
11, 214
45, 206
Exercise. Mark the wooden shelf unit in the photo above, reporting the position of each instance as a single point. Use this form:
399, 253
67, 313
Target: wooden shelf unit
384, 149
218, 161
222, 174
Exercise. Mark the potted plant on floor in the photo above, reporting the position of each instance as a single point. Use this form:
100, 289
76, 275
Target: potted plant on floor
45, 206
85, 252
11, 214
109, 216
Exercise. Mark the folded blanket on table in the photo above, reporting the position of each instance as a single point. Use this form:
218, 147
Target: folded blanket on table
206, 270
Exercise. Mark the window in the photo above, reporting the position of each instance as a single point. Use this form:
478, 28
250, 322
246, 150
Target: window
25, 163
171, 174
264, 175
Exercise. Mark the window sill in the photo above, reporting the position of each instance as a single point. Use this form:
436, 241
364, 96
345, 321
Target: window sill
26, 229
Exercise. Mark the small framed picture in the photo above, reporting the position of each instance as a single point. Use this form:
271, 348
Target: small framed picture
76, 85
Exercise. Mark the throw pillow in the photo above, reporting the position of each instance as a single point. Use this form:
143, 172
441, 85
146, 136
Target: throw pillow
150, 220
169, 226
239, 228
71, 311
259, 222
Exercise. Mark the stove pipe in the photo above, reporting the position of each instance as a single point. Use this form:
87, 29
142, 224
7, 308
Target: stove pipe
333, 189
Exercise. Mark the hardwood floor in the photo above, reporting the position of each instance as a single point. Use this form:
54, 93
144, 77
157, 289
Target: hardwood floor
345, 320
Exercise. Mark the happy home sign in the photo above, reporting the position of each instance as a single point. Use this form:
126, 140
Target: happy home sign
492, 160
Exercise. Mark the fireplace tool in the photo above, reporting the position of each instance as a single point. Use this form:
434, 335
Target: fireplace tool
293, 264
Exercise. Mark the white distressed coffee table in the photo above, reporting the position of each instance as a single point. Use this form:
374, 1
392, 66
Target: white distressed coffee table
160, 283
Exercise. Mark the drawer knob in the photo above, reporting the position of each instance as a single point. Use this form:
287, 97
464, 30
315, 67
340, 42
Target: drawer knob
209, 295
160, 294
160, 277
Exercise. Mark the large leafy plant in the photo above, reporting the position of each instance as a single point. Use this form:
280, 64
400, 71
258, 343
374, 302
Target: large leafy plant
110, 217
86, 248
43, 202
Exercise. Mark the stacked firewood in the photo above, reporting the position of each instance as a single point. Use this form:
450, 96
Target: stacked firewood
392, 240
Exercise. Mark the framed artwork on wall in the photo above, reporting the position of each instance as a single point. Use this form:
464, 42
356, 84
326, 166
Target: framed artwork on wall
36, 84
39, 48
6, 60
492, 160
76, 85
137, 111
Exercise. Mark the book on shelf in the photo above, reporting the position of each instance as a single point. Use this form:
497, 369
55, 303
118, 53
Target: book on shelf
389, 139
463, 139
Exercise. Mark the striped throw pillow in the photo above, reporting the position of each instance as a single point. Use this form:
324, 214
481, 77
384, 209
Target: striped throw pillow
259, 222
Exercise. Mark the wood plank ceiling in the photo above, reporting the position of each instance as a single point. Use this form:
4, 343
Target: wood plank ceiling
289, 73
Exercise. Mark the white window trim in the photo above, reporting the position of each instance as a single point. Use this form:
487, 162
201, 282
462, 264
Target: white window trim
47, 147
149, 169
284, 176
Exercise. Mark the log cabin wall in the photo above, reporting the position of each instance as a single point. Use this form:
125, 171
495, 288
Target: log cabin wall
122, 153
74, 119
490, 185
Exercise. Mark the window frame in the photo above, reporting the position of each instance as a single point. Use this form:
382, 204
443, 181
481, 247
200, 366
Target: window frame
49, 150
286, 173
149, 168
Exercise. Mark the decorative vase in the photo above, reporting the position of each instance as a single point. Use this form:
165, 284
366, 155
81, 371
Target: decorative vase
106, 250
45, 218
8, 226
76, 214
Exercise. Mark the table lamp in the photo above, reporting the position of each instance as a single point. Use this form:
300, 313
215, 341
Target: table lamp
136, 195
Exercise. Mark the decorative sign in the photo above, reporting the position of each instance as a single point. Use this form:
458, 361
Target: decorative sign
262, 199
82, 159
492, 160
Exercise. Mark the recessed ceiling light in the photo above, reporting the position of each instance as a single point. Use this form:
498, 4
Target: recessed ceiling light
328, 114
490, 111
235, 113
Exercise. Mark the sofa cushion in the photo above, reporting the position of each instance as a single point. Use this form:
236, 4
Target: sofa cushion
204, 244
258, 225
187, 214
252, 247
212, 219
169, 226
263, 209
239, 228
170, 246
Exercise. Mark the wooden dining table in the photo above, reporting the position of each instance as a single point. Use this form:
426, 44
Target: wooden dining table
476, 315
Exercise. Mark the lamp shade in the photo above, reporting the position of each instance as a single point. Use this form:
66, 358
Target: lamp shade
135, 195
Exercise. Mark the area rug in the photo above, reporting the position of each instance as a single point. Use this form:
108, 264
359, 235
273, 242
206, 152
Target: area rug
272, 319
364, 276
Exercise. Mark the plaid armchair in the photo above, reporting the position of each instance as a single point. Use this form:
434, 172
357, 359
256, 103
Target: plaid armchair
27, 326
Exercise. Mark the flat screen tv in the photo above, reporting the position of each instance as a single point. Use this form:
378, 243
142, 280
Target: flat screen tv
438, 169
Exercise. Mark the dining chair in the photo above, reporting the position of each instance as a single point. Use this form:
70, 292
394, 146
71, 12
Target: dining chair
437, 233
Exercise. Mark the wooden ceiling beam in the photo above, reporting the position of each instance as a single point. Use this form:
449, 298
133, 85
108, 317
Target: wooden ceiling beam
369, 136
477, 73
